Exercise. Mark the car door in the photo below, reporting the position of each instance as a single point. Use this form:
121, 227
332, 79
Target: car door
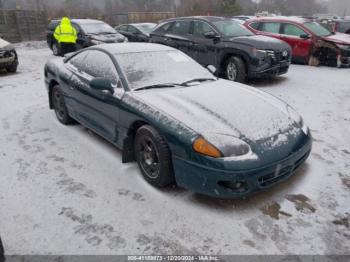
202, 49
178, 36
298, 39
97, 110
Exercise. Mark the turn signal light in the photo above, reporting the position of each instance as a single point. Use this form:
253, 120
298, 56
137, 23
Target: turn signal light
203, 147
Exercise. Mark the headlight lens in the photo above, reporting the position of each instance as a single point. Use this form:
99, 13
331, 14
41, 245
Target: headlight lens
218, 145
96, 42
260, 52
298, 119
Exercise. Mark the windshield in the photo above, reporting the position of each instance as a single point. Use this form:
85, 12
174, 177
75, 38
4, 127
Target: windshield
97, 28
317, 29
162, 67
146, 28
232, 28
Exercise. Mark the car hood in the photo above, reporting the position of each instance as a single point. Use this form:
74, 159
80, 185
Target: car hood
108, 38
259, 42
227, 108
338, 38
3, 43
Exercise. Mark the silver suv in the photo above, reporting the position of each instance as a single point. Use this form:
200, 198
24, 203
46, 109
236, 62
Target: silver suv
8, 57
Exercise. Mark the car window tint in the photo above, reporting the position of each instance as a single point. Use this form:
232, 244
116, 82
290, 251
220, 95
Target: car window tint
201, 28
255, 25
271, 27
99, 64
180, 28
293, 30
132, 29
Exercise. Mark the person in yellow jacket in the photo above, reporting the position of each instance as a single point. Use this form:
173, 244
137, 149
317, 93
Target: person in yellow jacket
66, 36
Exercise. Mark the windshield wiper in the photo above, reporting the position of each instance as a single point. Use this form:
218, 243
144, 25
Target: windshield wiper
155, 86
197, 80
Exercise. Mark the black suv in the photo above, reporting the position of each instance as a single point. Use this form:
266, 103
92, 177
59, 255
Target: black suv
235, 51
90, 32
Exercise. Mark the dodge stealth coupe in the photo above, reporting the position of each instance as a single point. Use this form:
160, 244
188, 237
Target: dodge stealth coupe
177, 120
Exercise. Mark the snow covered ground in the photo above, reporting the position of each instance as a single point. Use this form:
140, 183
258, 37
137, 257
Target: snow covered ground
63, 190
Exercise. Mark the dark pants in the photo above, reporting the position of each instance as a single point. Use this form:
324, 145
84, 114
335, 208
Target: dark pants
67, 48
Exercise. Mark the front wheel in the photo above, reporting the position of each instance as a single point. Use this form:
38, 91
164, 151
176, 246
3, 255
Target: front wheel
12, 68
153, 156
60, 107
235, 69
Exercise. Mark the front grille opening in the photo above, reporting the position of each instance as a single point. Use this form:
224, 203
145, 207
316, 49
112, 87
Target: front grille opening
234, 187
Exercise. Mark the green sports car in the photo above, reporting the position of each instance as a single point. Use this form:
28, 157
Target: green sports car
177, 120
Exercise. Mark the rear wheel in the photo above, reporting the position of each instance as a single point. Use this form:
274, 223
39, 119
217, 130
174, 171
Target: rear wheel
56, 49
235, 69
153, 156
60, 107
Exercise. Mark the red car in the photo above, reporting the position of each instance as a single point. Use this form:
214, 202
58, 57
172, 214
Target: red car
311, 43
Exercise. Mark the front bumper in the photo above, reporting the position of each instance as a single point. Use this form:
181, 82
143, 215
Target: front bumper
222, 183
7, 58
279, 68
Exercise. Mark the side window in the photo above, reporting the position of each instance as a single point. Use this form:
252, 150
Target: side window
293, 30
132, 29
122, 28
271, 27
99, 64
180, 28
201, 28
78, 61
163, 28
255, 25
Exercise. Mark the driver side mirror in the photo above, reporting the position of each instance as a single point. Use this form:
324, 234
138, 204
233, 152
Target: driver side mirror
102, 84
305, 36
211, 35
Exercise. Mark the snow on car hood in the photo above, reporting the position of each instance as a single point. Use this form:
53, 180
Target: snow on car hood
339, 38
3, 43
260, 42
223, 107
108, 38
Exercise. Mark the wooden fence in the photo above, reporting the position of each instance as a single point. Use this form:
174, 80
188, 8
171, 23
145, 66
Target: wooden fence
22, 25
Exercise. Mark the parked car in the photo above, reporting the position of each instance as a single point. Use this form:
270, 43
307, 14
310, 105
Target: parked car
8, 57
236, 52
90, 32
179, 122
136, 32
307, 38
340, 25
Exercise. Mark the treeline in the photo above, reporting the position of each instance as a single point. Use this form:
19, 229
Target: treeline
94, 8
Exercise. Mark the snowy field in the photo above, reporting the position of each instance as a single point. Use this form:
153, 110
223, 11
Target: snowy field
63, 190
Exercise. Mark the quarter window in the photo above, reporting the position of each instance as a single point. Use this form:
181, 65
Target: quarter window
255, 25
271, 27
123, 28
132, 29
180, 28
201, 28
293, 30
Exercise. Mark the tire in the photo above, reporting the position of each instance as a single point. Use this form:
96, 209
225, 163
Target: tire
59, 106
56, 49
235, 69
12, 68
153, 156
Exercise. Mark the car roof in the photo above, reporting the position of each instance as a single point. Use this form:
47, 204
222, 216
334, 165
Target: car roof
204, 18
127, 48
294, 19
